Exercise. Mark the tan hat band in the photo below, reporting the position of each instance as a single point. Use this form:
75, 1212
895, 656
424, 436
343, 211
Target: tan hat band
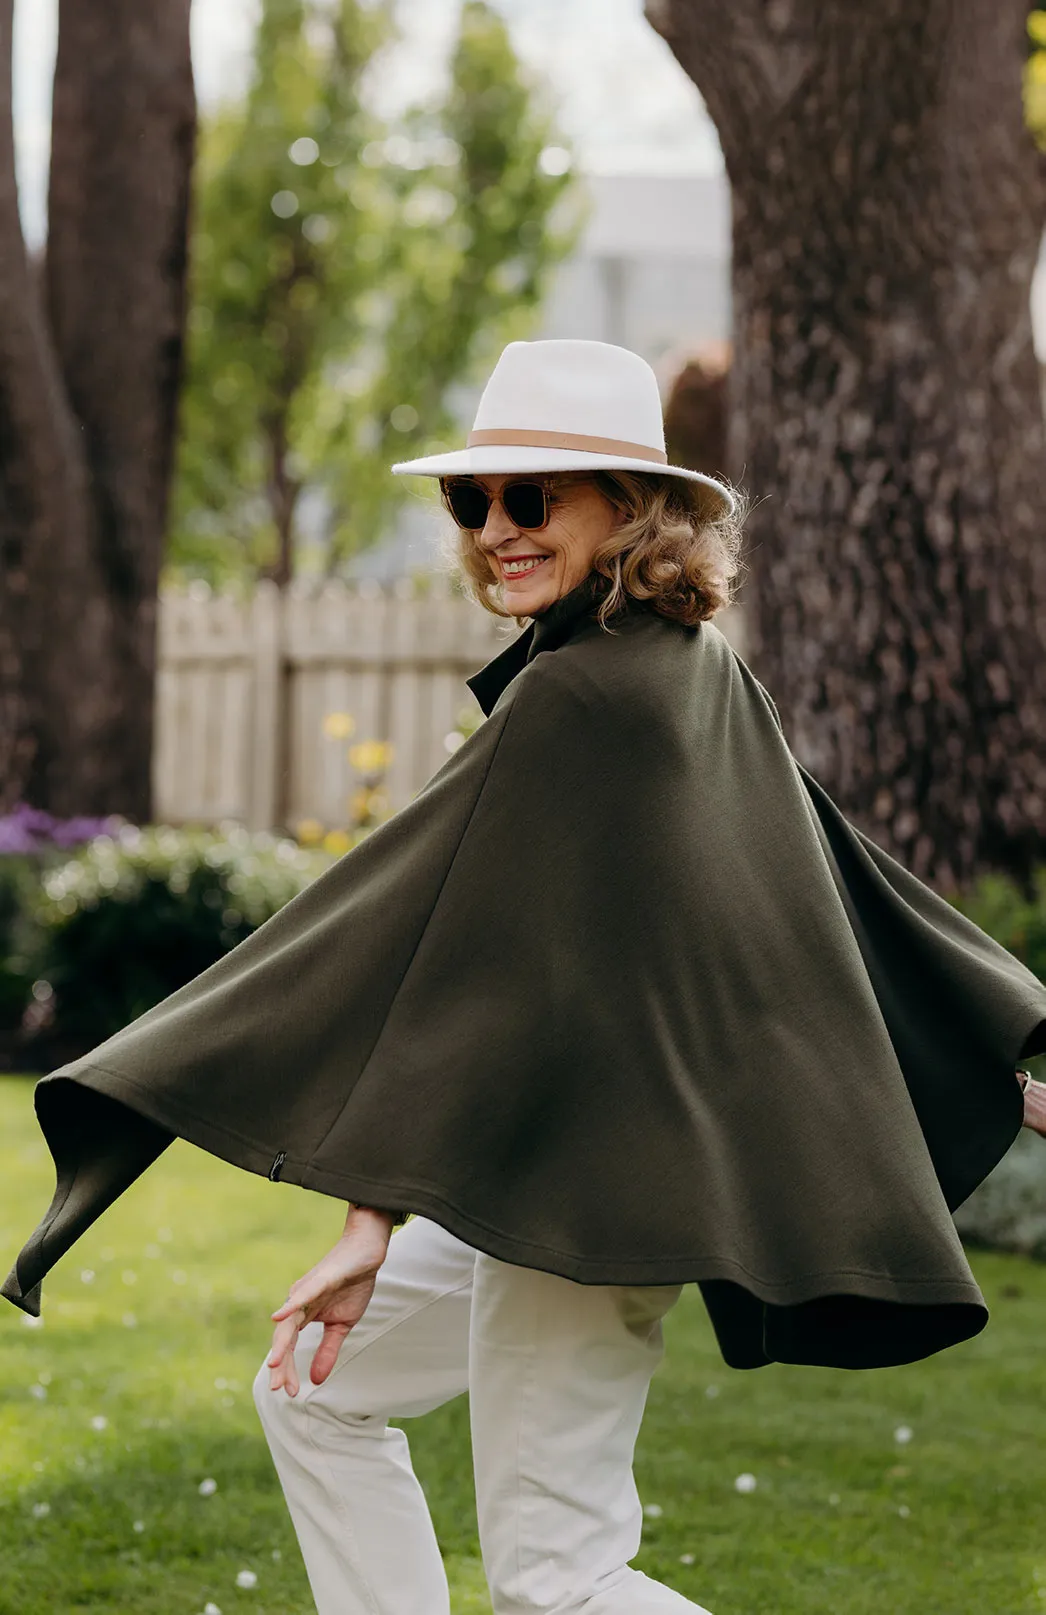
499, 437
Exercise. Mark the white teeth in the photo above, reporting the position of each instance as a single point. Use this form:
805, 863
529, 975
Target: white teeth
513, 567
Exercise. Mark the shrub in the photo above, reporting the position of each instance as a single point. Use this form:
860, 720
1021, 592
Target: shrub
30, 841
134, 916
19, 942
1008, 1211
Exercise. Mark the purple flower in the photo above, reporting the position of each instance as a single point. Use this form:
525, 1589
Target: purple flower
29, 829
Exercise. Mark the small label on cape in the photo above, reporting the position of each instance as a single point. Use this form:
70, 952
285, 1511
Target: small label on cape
277, 1167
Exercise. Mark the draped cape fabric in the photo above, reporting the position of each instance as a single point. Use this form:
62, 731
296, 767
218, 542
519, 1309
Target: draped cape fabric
620, 995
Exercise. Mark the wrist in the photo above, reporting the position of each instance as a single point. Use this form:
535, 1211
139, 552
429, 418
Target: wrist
369, 1217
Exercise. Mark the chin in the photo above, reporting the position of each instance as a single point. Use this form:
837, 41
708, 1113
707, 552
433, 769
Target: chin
525, 603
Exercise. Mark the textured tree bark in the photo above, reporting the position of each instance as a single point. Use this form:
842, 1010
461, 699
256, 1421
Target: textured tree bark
122, 147
888, 207
49, 628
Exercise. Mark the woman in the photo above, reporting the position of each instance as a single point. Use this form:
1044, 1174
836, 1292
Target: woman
619, 1002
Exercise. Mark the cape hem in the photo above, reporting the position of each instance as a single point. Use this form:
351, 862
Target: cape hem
251, 1156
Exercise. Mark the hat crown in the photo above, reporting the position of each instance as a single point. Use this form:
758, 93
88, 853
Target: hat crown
576, 388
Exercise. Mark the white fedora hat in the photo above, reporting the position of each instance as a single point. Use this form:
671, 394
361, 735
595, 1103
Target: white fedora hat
565, 405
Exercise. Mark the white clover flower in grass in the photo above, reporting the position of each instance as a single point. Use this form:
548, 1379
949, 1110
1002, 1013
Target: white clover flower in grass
99, 1422
178, 1277
208, 1487
686, 1558
39, 1392
211, 1609
41, 1511
86, 1275
903, 1434
246, 1578
129, 1276
139, 1526
904, 1511
130, 1321
277, 1554
745, 1483
711, 1391
653, 1511
29, 1322
833, 1498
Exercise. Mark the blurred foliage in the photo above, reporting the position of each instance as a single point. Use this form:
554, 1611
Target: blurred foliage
20, 876
131, 918
1015, 918
1035, 77
347, 273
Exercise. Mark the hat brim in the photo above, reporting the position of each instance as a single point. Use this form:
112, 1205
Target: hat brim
491, 460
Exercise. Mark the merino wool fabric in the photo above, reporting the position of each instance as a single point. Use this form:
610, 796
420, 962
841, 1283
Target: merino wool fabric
620, 995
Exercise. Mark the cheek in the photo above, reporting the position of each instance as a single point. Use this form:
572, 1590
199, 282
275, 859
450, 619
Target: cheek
574, 539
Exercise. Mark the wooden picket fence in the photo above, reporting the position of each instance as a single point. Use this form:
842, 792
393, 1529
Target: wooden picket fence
244, 686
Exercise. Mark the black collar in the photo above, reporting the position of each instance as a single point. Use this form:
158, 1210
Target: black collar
555, 625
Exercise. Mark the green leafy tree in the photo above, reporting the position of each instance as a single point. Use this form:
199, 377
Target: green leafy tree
347, 274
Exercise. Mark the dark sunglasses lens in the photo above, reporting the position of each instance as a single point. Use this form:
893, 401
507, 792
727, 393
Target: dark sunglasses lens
468, 504
525, 504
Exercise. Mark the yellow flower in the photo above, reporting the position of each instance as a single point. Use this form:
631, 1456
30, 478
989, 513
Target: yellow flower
371, 756
360, 804
309, 832
337, 842
1037, 27
339, 725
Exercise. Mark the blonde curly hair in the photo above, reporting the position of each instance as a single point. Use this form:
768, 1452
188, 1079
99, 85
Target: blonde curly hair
676, 548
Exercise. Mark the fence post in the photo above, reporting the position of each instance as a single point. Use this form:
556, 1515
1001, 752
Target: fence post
267, 707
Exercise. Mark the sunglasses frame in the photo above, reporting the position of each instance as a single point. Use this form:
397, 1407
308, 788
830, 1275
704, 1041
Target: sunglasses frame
533, 480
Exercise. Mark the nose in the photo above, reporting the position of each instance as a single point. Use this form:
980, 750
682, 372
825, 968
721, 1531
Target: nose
498, 528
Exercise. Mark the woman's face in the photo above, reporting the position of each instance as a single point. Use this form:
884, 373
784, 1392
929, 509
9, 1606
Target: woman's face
556, 559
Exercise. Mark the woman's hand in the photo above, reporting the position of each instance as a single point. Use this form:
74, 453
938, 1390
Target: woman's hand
1035, 1106
335, 1292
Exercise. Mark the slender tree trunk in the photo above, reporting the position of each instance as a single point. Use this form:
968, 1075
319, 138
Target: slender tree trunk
122, 147
283, 491
888, 207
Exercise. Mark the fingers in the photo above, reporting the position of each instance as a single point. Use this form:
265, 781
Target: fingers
283, 1371
288, 1307
326, 1353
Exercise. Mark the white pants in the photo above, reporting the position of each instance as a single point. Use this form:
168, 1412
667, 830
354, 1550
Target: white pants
557, 1375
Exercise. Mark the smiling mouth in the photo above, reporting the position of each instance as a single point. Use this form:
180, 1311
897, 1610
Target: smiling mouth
520, 566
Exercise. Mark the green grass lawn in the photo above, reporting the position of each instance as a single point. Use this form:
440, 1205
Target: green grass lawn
136, 1389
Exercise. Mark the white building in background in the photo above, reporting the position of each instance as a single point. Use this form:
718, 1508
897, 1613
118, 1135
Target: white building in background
651, 272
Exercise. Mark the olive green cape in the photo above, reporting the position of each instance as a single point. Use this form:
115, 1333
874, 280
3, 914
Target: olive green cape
620, 995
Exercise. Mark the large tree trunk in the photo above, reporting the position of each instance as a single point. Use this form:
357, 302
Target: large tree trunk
51, 624
122, 147
888, 207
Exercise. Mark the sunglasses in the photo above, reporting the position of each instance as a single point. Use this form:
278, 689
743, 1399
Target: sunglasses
526, 504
